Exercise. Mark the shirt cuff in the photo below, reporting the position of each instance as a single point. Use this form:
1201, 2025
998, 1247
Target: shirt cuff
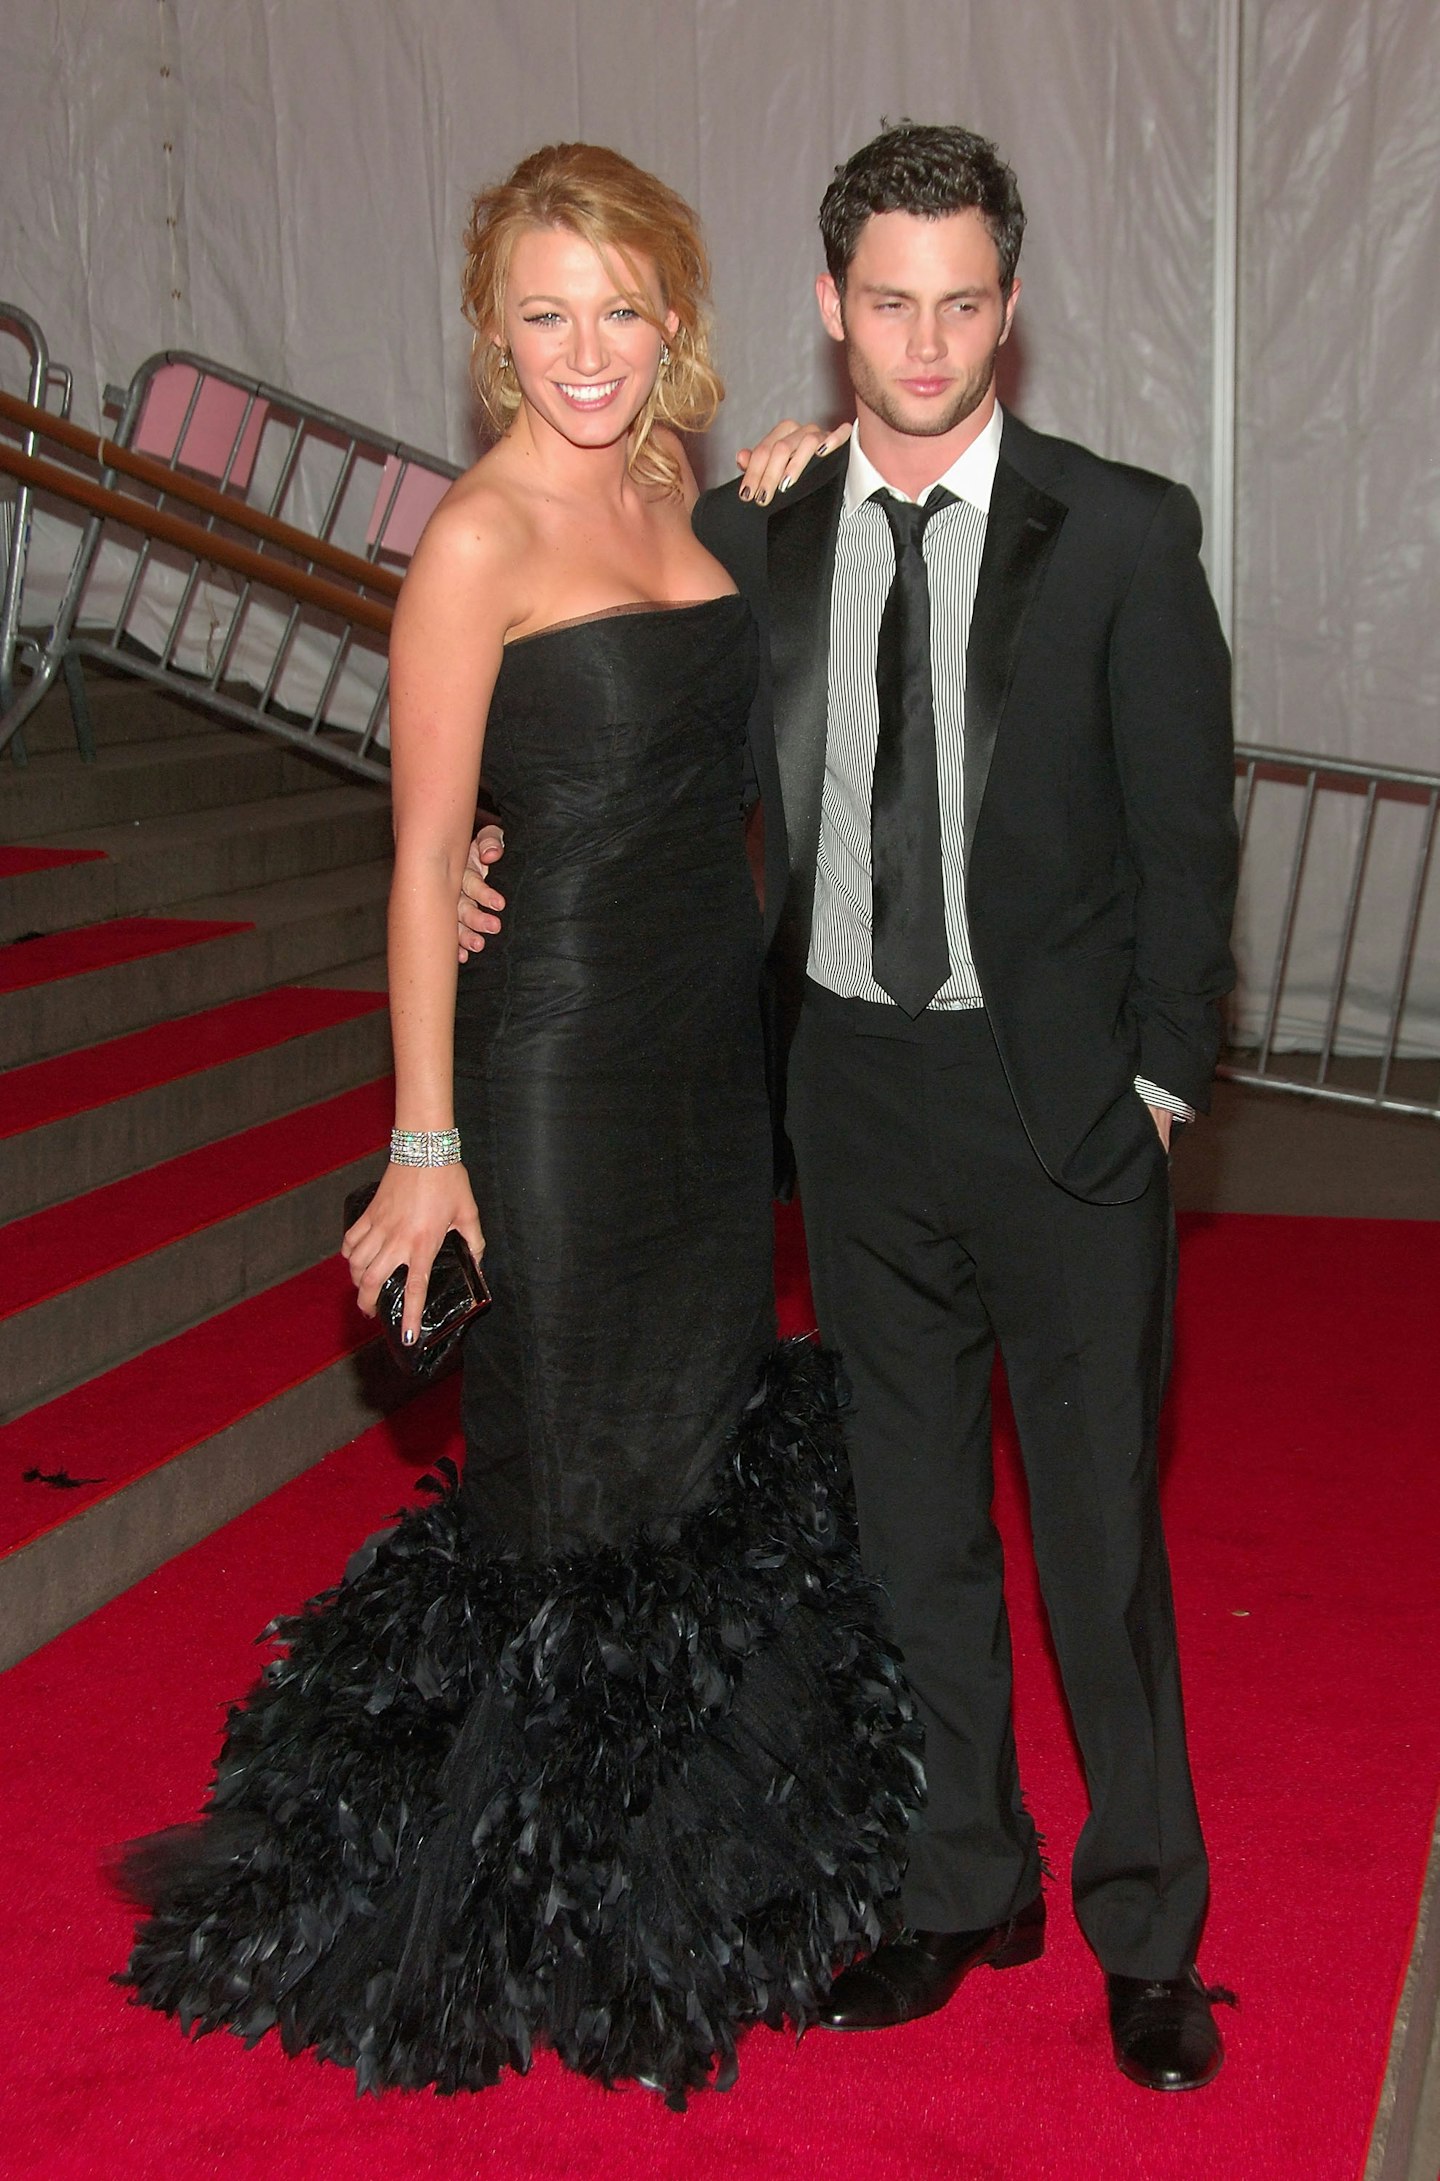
1165, 1100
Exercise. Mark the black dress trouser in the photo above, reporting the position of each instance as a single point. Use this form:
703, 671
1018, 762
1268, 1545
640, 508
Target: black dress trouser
934, 1232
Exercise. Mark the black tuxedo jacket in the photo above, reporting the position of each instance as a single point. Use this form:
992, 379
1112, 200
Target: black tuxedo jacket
1100, 842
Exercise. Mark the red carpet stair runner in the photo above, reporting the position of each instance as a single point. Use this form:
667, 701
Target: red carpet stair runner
193, 1070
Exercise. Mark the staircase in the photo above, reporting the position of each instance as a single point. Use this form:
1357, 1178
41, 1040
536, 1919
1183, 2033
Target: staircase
195, 1058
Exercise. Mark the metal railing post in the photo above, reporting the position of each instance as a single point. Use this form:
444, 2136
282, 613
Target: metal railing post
41, 375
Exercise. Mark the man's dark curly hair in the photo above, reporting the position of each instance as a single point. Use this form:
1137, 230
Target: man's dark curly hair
928, 169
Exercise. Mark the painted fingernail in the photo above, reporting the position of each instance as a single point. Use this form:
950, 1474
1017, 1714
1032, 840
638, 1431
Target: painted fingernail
409, 1338
786, 483
824, 448
746, 493
764, 498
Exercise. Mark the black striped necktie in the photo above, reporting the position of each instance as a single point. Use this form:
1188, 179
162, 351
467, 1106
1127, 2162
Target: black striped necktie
910, 956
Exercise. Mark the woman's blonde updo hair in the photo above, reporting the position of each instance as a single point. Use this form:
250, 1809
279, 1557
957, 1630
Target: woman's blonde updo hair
625, 213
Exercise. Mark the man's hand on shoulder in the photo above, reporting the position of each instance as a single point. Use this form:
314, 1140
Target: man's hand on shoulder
478, 910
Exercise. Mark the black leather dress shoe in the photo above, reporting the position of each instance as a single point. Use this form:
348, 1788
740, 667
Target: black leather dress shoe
919, 1971
1164, 2033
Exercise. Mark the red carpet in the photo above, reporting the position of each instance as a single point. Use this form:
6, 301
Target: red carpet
139, 1416
15, 862
1302, 1496
128, 1219
49, 1090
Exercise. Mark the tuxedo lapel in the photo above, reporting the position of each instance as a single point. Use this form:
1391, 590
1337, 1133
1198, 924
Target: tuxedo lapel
1020, 535
801, 566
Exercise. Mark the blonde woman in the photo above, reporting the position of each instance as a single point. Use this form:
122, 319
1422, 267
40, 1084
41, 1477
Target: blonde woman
601, 1750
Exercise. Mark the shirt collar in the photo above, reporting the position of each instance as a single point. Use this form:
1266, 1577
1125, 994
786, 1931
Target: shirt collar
970, 477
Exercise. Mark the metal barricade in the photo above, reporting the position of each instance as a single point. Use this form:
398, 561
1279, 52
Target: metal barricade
25, 368
1339, 918
244, 651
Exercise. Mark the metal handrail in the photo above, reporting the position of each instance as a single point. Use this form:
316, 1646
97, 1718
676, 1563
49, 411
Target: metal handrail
108, 455
1250, 756
265, 569
358, 439
306, 429
139, 514
338, 491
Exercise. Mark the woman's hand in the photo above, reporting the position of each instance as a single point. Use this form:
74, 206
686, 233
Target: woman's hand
774, 462
404, 1223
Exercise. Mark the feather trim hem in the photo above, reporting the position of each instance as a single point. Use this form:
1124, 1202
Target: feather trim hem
621, 1803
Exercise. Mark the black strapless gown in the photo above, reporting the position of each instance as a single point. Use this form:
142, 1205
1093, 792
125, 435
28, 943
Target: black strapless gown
601, 1749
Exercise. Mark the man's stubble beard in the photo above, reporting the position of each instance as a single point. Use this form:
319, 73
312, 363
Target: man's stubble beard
966, 398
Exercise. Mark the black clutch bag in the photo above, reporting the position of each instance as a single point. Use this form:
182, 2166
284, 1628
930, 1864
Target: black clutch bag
456, 1294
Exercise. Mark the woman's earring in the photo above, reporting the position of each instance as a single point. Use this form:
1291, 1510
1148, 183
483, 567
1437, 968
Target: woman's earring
664, 356
504, 356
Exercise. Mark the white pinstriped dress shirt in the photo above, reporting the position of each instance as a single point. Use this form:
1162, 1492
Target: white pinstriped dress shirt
954, 539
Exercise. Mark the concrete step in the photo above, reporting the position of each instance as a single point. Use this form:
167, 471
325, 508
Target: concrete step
47, 1586
56, 793
84, 1150
201, 824
64, 1338
57, 1344
251, 1438
151, 862
121, 710
301, 928
371, 975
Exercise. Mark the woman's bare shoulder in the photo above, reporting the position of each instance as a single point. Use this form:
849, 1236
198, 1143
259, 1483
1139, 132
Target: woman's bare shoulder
475, 544
480, 518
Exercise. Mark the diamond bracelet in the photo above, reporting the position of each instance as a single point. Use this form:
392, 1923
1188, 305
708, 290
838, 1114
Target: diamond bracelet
425, 1147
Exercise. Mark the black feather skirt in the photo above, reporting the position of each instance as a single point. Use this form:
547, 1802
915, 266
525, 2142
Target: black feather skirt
620, 1802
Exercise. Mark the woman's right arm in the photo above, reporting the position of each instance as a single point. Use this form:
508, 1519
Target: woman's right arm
445, 651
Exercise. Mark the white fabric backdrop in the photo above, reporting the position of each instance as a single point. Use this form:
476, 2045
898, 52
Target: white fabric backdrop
282, 183
322, 153
1337, 634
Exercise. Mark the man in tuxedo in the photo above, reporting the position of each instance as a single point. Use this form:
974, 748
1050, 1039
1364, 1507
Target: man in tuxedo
992, 742
994, 753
